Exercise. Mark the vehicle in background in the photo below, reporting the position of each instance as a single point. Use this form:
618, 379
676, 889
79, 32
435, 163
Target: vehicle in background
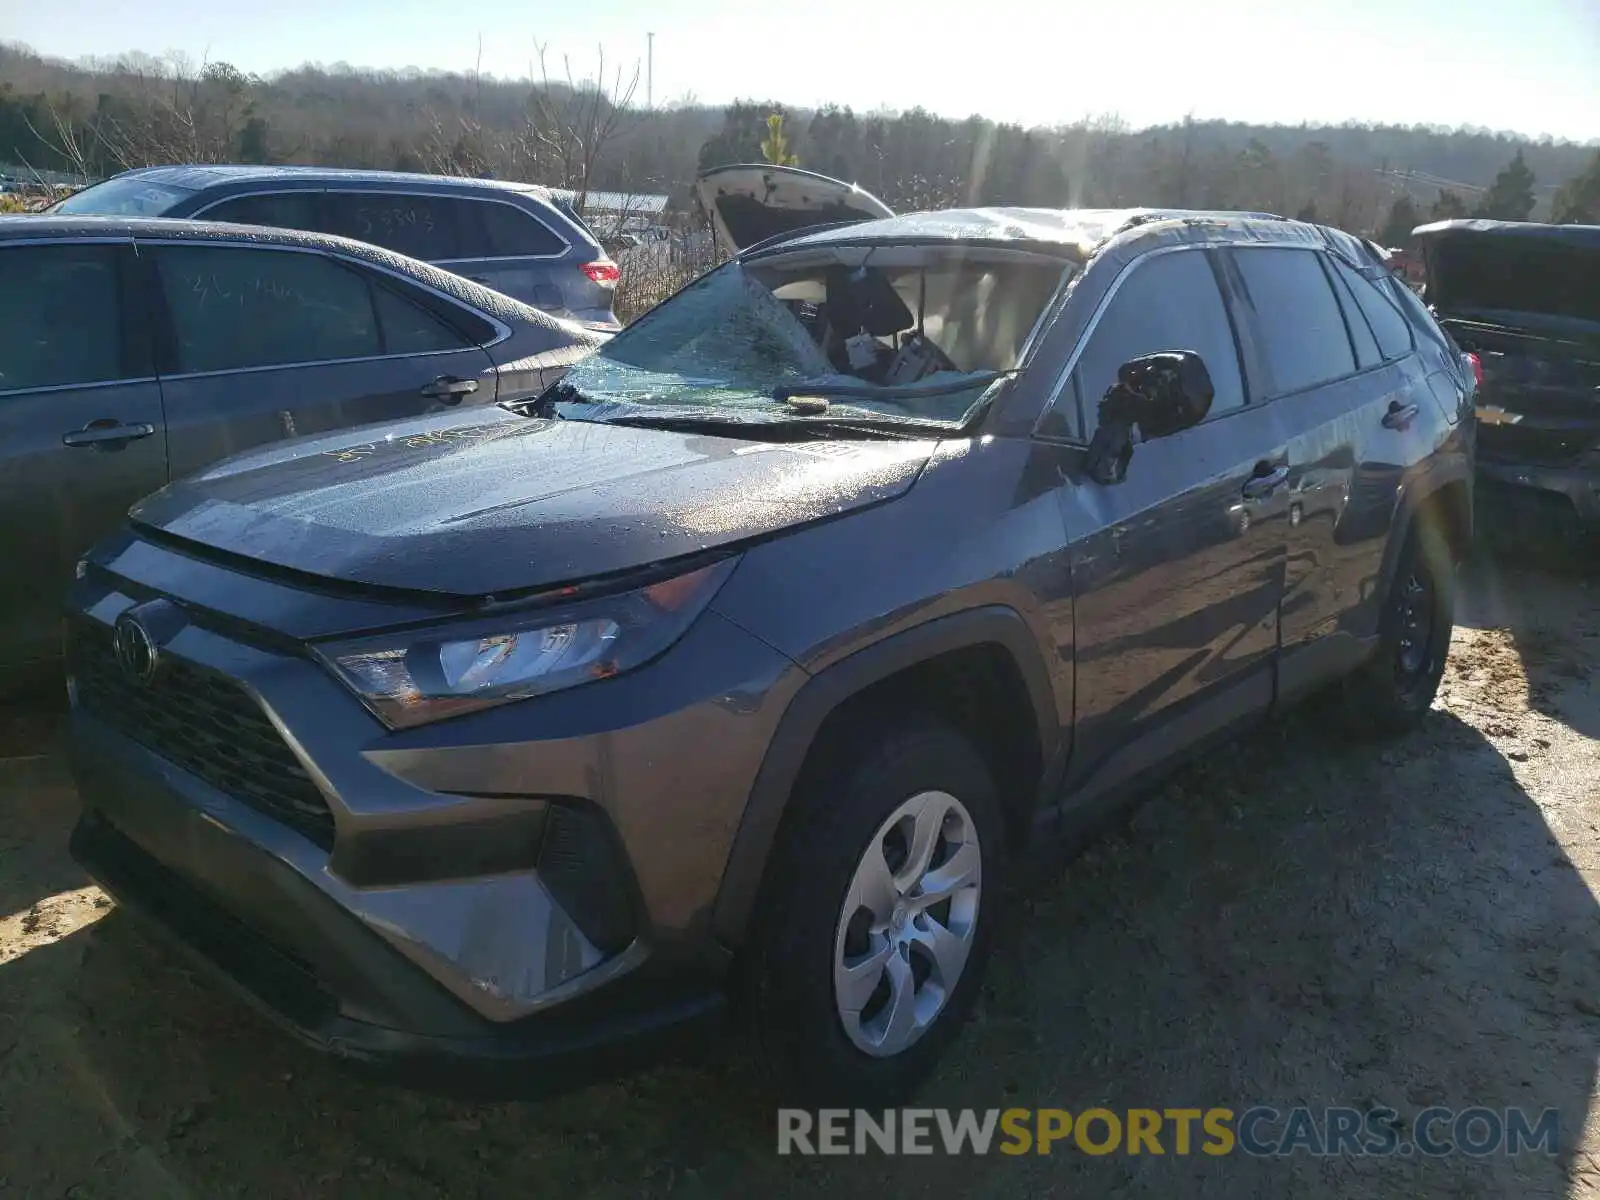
136, 351
517, 238
746, 661
1524, 300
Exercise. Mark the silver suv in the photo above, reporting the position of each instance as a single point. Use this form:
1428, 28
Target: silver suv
517, 238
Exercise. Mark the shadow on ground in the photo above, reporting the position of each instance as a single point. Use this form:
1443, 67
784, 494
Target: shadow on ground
1525, 604
1293, 920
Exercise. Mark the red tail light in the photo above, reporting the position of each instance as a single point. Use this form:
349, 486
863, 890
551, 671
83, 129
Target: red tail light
602, 271
1477, 367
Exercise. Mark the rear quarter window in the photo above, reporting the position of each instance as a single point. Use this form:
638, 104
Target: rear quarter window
1388, 325
500, 230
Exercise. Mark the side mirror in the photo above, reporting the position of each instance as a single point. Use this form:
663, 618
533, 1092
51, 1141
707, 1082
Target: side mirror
1157, 394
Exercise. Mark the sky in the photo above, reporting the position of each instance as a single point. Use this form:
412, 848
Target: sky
1531, 66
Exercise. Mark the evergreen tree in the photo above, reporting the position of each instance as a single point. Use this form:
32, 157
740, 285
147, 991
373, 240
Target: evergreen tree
1403, 218
1510, 196
1577, 201
1448, 207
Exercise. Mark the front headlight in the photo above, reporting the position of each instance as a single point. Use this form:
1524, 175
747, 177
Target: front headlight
412, 678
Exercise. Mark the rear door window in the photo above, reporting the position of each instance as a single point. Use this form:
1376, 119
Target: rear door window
1167, 302
1302, 331
238, 307
60, 316
1389, 326
280, 210
416, 225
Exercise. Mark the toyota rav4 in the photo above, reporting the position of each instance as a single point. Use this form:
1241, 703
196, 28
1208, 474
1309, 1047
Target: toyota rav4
739, 669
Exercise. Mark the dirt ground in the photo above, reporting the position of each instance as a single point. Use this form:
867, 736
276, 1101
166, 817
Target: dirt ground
1292, 920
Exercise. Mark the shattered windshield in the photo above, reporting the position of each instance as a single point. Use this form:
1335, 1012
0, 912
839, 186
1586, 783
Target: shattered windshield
920, 337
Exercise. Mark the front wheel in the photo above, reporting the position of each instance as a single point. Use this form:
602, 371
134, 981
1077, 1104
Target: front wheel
879, 920
1392, 691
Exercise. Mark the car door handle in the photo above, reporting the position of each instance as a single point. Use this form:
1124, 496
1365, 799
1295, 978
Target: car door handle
1400, 415
450, 389
1265, 481
108, 434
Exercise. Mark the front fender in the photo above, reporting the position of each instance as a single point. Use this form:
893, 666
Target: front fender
829, 688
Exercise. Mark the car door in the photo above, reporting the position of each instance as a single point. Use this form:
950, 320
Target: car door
266, 342
1346, 406
1178, 569
82, 420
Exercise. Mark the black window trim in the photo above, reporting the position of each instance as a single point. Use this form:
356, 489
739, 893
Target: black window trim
349, 262
1067, 377
129, 328
1340, 290
1273, 396
1411, 333
324, 188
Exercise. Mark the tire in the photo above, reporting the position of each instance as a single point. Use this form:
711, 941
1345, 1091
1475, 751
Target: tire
822, 1041
1391, 692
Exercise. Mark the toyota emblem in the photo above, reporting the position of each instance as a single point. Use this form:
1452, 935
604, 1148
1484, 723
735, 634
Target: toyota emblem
135, 649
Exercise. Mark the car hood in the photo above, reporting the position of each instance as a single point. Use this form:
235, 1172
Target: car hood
491, 503
749, 203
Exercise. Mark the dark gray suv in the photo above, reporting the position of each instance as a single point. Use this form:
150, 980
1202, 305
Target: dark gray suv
517, 238
738, 668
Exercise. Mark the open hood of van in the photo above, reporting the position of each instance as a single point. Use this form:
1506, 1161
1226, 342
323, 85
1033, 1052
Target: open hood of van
751, 202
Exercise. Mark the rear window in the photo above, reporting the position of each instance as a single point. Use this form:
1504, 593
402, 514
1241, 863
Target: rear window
124, 197
563, 205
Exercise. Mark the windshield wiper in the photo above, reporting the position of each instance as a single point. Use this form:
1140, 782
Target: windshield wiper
876, 391
795, 428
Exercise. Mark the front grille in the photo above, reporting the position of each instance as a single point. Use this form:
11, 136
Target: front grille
205, 724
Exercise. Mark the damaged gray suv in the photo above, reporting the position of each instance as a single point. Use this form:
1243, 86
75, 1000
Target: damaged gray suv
739, 670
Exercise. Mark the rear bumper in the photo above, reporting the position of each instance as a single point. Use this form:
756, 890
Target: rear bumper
1574, 486
161, 843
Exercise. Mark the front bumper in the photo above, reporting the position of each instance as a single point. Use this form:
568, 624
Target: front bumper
402, 932
531, 1058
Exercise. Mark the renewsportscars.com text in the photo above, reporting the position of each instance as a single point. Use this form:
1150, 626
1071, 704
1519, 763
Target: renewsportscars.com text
1258, 1131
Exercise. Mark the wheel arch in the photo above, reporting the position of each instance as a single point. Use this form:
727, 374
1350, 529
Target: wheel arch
1439, 508
996, 631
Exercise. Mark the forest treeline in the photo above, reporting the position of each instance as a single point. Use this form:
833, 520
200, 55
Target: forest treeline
586, 128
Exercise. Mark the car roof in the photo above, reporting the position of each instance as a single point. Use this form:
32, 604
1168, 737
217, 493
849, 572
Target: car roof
1587, 236
200, 176
1074, 231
